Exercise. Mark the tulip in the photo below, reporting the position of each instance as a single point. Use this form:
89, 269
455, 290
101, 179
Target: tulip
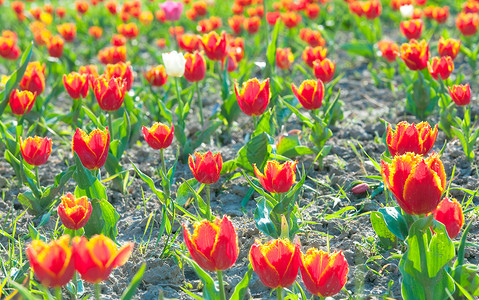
206, 168
6, 46
411, 29
389, 50
276, 262
450, 214
277, 178
156, 76
96, 258
90, 70
417, 183
324, 70
324, 274
415, 55
449, 47
118, 40
312, 37
312, 11
174, 63
417, 139
120, 70
406, 11
172, 10
112, 55
74, 212
21, 102
291, 19
213, 245
460, 94
467, 23
110, 93
252, 24
272, 17
159, 136
253, 99
34, 78
195, 67
129, 31
81, 6
310, 93
68, 31
92, 149
440, 66
214, 45
235, 23
95, 32
310, 55
53, 263
189, 42
55, 46
36, 150
284, 58
76, 85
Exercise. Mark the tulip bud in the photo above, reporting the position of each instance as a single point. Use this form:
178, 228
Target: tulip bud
310, 94
91, 149
21, 102
450, 214
195, 67
74, 212
440, 66
174, 63
324, 70
156, 76
460, 94
284, 58
277, 178
76, 85
406, 11
415, 55
159, 136
449, 47
417, 139
172, 10
411, 29
110, 94
213, 246
253, 99
206, 168
36, 150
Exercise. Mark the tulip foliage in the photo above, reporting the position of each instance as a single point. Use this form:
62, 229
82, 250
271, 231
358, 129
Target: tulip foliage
129, 120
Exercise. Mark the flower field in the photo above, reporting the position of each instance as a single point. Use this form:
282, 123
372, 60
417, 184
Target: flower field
241, 149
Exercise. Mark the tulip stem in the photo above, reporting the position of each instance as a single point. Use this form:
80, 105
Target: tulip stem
180, 103
97, 291
279, 293
200, 104
208, 207
163, 166
110, 126
221, 284
37, 177
58, 293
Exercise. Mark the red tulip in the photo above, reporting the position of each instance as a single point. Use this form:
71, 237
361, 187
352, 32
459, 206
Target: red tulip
418, 139
324, 70
276, 262
417, 183
76, 85
415, 55
36, 150
253, 99
195, 67
74, 212
91, 149
159, 136
53, 263
22, 102
450, 214
460, 94
214, 45
68, 31
206, 168
213, 246
277, 178
120, 70
284, 58
389, 50
156, 76
449, 47
440, 67
34, 78
96, 258
110, 93
467, 23
411, 29
310, 93
324, 274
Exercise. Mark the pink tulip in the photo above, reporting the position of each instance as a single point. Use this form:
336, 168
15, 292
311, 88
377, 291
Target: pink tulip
172, 10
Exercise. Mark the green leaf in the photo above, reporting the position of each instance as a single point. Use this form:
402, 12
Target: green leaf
359, 48
271, 51
135, 282
103, 219
468, 279
387, 238
184, 192
209, 292
263, 220
265, 124
256, 151
395, 221
242, 287
23, 290
151, 184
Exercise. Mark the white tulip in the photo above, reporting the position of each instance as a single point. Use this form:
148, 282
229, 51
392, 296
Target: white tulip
174, 63
407, 11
